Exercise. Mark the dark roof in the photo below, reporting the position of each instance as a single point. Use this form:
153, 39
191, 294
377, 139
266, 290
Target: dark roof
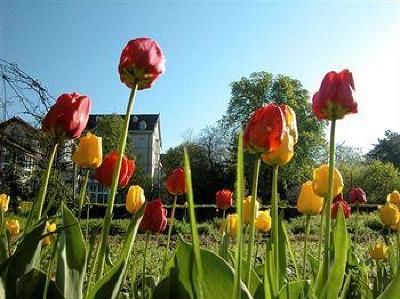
19, 120
136, 121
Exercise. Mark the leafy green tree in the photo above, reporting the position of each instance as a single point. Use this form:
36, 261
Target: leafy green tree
249, 94
387, 149
376, 178
109, 127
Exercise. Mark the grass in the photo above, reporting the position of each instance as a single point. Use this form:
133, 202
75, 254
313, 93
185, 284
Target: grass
370, 230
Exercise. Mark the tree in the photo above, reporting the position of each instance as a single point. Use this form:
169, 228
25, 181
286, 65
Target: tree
387, 149
249, 94
376, 178
109, 127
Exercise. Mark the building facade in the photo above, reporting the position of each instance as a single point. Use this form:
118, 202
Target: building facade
19, 145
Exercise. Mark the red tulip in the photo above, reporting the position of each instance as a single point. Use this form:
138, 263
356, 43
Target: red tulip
68, 116
357, 196
105, 172
265, 129
155, 217
335, 99
141, 62
339, 200
176, 182
224, 199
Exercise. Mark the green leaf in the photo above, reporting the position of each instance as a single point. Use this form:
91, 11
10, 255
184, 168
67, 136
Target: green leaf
179, 282
193, 225
314, 266
223, 248
294, 290
338, 265
71, 264
393, 289
24, 258
3, 247
239, 202
32, 285
282, 251
393, 259
109, 285
291, 252
270, 287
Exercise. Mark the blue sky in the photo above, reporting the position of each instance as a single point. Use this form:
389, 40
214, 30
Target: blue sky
75, 46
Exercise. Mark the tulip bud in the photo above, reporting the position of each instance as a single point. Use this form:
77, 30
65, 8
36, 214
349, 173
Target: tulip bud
224, 199
320, 181
89, 153
155, 217
4, 200
335, 206
246, 209
13, 227
141, 62
308, 202
394, 198
357, 196
389, 214
378, 252
232, 224
334, 99
263, 221
105, 172
134, 199
68, 116
175, 182
265, 129
50, 228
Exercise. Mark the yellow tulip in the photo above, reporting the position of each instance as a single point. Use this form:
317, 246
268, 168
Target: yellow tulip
49, 228
320, 181
283, 154
308, 202
232, 224
263, 221
389, 214
134, 199
246, 209
4, 200
378, 252
13, 227
394, 198
89, 153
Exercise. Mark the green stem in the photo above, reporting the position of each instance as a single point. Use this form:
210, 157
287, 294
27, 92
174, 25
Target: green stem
144, 264
37, 208
82, 192
114, 186
398, 246
357, 224
1, 223
53, 255
256, 172
87, 221
257, 248
275, 228
307, 231
321, 230
329, 200
171, 224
